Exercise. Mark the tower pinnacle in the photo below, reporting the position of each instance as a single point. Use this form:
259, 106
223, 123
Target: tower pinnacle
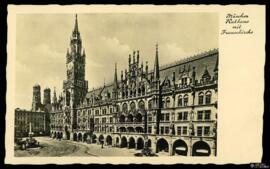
156, 66
115, 77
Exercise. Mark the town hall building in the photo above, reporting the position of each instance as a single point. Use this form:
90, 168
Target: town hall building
170, 108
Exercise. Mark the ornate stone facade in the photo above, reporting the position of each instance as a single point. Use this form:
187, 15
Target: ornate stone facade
172, 108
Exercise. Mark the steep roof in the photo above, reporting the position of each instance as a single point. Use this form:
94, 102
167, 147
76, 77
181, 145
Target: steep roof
200, 61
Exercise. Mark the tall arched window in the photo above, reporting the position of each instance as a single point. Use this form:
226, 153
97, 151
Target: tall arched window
125, 108
149, 104
122, 118
180, 100
185, 100
201, 95
139, 91
143, 90
208, 96
141, 105
168, 101
163, 103
132, 106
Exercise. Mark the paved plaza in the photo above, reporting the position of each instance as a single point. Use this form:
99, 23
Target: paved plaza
53, 148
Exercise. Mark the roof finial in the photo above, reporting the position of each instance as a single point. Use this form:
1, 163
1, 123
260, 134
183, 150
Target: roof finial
76, 29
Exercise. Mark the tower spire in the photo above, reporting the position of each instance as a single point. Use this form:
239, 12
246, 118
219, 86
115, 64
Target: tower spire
156, 66
76, 29
76, 32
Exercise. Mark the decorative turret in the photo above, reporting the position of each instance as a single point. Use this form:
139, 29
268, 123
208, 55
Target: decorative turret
156, 66
134, 57
54, 96
206, 76
138, 57
146, 68
115, 77
126, 74
193, 76
122, 75
129, 59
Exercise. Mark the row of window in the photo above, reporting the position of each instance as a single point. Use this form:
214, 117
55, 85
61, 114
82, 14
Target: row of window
164, 130
182, 101
103, 120
165, 117
182, 130
181, 116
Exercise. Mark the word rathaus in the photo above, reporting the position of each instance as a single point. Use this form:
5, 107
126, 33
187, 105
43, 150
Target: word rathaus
170, 109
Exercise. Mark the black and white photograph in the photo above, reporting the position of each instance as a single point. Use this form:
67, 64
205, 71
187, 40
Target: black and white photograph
117, 85
109, 84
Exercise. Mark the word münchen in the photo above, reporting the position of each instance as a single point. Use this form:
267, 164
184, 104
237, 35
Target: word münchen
170, 108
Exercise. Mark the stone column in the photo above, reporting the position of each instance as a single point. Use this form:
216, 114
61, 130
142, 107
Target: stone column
64, 135
154, 146
190, 149
136, 145
113, 141
71, 136
170, 149
213, 149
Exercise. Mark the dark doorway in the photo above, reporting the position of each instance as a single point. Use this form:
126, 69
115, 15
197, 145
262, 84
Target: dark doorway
131, 142
123, 142
140, 143
180, 147
162, 145
201, 148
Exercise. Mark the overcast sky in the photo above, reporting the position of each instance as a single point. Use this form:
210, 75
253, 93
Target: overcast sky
42, 42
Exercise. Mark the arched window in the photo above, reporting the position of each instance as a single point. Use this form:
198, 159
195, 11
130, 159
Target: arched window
163, 103
168, 102
125, 108
141, 105
117, 108
201, 95
132, 106
143, 90
208, 96
186, 100
139, 92
180, 100
122, 118
149, 104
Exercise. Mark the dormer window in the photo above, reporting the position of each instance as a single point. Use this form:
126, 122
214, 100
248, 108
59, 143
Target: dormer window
168, 101
180, 101
184, 81
201, 97
208, 97
186, 100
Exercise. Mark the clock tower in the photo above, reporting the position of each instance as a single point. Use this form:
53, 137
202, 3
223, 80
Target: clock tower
75, 86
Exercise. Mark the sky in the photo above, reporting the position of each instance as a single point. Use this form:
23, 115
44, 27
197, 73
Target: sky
42, 41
